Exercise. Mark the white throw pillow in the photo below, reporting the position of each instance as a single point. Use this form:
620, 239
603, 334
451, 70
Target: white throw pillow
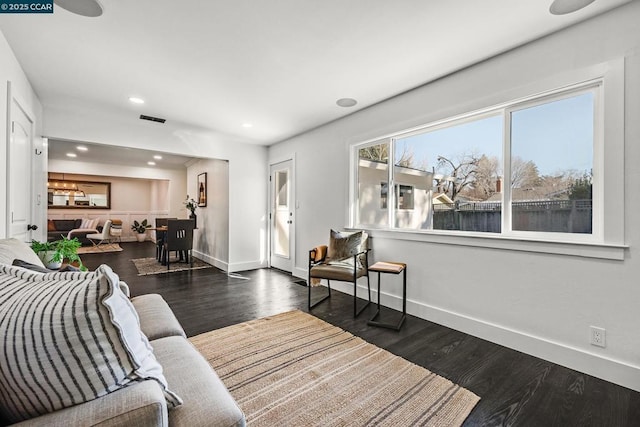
11, 249
68, 338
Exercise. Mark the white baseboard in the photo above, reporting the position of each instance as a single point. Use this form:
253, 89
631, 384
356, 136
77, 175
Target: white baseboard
247, 265
615, 371
300, 273
222, 265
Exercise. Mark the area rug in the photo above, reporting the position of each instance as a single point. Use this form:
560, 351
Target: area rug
107, 247
146, 266
294, 369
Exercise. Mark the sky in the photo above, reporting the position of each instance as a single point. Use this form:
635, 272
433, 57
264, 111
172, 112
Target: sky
556, 136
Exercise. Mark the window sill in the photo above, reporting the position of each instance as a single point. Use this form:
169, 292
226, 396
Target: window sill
579, 249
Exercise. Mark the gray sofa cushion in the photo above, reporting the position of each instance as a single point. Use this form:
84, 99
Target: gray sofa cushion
206, 401
141, 404
156, 318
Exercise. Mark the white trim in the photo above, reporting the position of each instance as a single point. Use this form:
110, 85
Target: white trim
222, 265
616, 371
13, 97
7, 156
593, 87
293, 207
247, 265
607, 237
301, 273
511, 243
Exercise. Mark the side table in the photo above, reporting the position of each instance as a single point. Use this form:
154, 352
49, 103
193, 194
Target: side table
391, 268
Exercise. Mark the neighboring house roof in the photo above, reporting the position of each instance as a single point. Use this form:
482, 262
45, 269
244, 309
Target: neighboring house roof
522, 194
441, 199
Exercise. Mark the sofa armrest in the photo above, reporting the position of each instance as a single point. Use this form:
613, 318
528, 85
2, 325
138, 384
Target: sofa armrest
81, 232
141, 404
156, 318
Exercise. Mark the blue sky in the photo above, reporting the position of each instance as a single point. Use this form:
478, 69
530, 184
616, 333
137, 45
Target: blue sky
556, 136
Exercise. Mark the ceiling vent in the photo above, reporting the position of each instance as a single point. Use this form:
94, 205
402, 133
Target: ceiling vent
152, 119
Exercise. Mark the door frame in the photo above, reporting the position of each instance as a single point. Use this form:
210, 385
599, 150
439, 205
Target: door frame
294, 207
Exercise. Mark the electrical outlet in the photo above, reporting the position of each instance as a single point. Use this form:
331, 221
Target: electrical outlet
598, 336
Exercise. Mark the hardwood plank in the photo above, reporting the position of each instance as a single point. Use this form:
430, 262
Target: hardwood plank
515, 389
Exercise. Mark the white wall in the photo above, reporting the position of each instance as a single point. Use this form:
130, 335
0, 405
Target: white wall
248, 167
137, 193
10, 71
542, 304
211, 240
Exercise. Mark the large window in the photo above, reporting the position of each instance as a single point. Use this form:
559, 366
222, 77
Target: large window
523, 168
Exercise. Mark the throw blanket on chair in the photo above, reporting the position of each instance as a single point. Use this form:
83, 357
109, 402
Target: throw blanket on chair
318, 254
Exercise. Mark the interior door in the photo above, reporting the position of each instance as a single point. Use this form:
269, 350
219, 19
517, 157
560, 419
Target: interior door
20, 172
281, 216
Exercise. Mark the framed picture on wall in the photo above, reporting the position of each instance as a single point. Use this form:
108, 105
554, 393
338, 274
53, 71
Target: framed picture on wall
202, 190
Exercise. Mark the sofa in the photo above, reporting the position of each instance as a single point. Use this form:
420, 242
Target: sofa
56, 228
202, 398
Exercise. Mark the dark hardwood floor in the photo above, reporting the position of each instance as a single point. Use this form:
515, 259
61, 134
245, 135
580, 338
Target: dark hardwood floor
515, 389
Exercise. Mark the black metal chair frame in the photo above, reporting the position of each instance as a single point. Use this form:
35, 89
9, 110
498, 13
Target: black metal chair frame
356, 311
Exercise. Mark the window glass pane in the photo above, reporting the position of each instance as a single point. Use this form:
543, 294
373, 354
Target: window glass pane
384, 192
281, 189
551, 166
373, 172
405, 197
451, 177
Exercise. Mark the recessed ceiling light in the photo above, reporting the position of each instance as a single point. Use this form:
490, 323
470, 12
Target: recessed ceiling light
247, 125
562, 7
157, 157
89, 8
151, 163
346, 102
72, 155
136, 100
82, 148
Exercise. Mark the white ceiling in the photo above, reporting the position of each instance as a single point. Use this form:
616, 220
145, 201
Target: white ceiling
107, 154
278, 64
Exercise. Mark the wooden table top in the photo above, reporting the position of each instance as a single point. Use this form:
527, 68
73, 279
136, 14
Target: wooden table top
388, 267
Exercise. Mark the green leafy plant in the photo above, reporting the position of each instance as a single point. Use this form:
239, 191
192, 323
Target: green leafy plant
61, 250
42, 246
140, 227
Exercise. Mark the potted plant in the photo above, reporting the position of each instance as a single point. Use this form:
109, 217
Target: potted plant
191, 205
141, 229
53, 254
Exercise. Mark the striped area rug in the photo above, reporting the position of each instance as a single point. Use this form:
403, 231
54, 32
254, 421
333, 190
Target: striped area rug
294, 369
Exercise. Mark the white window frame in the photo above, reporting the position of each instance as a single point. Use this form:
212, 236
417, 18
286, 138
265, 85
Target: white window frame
595, 236
607, 237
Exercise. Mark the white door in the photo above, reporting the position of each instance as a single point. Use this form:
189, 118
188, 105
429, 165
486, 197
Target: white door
20, 168
281, 216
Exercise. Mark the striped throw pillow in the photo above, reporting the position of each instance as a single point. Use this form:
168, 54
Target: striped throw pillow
68, 338
57, 275
88, 223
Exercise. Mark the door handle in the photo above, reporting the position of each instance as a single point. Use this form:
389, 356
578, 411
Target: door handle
32, 227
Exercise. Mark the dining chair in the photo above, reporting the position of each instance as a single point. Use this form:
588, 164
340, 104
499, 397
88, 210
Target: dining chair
179, 237
160, 234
